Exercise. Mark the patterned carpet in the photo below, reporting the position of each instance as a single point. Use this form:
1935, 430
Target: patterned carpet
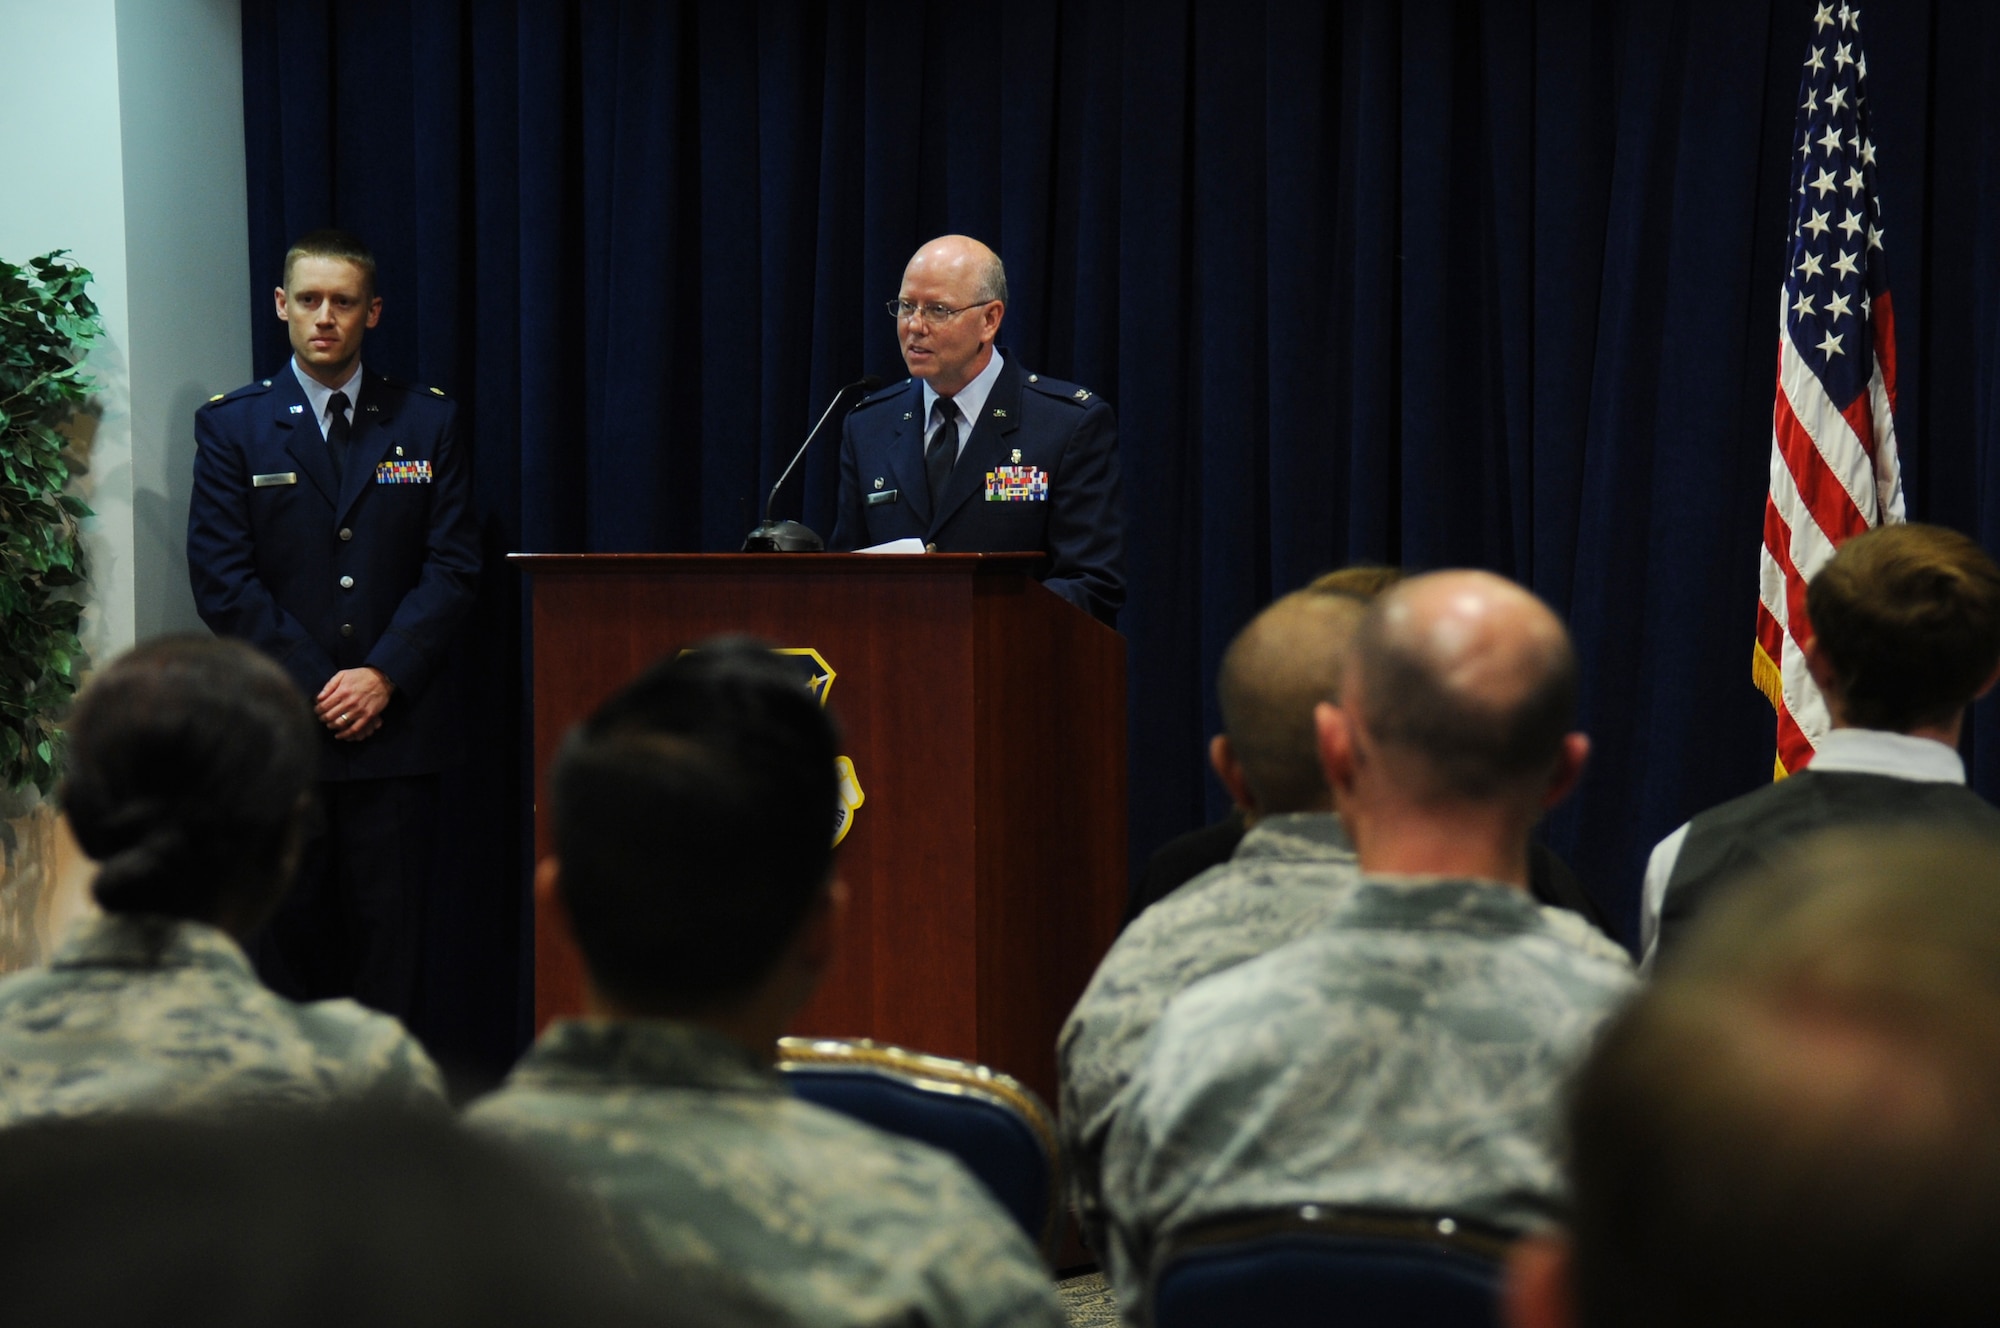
1088, 1301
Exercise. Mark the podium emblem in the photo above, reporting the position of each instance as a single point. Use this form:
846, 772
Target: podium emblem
817, 676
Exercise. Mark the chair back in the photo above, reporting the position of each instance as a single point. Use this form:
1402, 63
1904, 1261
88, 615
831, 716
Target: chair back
989, 1121
1299, 1266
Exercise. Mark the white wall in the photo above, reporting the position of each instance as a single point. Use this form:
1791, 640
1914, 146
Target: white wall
187, 244
123, 121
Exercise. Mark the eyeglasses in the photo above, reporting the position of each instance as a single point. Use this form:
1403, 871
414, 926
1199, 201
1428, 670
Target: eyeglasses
933, 314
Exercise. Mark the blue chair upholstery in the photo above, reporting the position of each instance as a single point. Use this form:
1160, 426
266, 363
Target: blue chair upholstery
1293, 1267
990, 1121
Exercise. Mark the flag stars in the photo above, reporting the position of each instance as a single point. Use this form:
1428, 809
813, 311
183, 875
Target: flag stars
1830, 345
1809, 264
1803, 306
1818, 225
1836, 100
1874, 237
1817, 60
1811, 108
1843, 56
1830, 140
1837, 307
1846, 265
1855, 184
1824, 18
1868, 152
1851, 224
1846, 17
1861, 61
1825, 183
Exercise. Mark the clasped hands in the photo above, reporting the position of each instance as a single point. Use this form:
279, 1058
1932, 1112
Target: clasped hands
352, 702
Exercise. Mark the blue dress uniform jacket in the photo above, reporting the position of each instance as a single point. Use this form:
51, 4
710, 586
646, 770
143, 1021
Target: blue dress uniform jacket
1039, 473
378, 571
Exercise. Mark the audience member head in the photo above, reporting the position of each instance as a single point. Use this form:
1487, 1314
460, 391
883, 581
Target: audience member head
188, 774
304, 1220
1906, 628
1362, 581
1460, 691
1285, 662
694, 817
1799, 1122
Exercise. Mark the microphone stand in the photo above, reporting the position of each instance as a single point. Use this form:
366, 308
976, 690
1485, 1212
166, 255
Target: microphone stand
792, 536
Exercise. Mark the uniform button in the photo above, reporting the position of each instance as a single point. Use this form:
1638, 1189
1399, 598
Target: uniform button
346, 533
347, 583
347, 629
930, 548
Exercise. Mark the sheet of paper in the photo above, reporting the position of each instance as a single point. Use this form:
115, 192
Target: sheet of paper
895, 546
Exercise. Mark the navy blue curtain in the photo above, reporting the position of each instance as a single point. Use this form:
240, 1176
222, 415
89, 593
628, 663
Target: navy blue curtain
1432, 282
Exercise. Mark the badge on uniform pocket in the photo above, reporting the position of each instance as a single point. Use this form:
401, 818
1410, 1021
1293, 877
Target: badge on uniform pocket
1017, 484
403, 472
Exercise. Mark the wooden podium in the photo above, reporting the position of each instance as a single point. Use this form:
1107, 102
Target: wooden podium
985, 718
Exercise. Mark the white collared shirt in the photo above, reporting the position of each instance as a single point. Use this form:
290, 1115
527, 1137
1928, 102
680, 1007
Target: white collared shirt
1840, 752
318, 393
971, 399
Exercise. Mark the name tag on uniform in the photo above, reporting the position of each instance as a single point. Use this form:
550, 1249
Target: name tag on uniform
1017, 484
403, 472
274, 480
886, 496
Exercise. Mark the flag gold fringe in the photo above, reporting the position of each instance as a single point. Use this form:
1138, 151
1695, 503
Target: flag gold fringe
1770, 681
1765, 674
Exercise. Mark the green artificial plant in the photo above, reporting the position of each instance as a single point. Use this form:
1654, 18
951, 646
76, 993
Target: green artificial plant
46, 325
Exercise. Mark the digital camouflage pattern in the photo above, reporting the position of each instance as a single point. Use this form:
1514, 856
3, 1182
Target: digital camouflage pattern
1284, 880
1409, 1055
718, 1178
138, 1013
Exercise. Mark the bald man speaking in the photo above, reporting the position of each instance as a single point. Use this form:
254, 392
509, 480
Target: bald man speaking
975, 454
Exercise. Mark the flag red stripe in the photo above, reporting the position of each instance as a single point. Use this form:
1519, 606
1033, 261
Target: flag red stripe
1828, 500
1778, 539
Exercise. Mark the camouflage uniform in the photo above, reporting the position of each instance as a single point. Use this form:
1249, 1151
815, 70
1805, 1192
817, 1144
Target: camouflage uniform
1285, 879
741, 1193
1408, 1055
145, 1013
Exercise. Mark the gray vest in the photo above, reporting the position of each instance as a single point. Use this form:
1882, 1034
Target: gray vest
1743, 834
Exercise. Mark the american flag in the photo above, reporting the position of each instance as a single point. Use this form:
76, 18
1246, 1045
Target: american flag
1833, 439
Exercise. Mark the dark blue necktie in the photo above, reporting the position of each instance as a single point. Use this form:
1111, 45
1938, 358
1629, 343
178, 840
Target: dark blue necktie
943, 450
336, 432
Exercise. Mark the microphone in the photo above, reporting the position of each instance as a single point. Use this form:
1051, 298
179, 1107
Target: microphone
791, 536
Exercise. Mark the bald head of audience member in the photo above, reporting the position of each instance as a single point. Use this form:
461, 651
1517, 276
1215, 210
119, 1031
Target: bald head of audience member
1453, 733
1799, 1122
1286, 661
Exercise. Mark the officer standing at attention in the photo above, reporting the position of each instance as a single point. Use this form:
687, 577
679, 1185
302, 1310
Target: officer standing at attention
331, 526
974, 454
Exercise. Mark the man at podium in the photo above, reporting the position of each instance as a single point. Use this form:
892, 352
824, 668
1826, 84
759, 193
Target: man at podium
974, 454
